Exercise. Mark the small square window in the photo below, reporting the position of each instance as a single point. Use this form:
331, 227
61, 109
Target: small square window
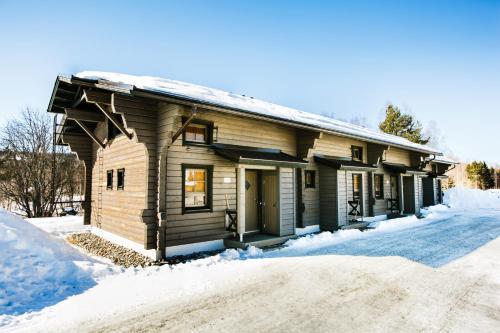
109, 179
379, 186
357, 153
310, 178
120, 179
198, 133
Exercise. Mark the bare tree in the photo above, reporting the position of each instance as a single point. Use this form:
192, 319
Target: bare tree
26, 177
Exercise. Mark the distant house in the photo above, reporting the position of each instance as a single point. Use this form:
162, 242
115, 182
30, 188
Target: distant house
174, 167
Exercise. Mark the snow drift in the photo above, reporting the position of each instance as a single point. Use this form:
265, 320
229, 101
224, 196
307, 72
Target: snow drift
36, 268
463, 198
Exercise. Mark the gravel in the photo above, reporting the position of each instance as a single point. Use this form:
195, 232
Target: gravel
118, 254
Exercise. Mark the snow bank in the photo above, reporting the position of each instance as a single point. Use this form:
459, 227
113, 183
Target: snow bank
37, 269
463, 198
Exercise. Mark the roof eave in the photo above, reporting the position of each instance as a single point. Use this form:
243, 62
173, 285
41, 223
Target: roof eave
294, 123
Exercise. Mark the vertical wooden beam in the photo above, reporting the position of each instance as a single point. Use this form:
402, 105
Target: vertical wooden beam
240, 201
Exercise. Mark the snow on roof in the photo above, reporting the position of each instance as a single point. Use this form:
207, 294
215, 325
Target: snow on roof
249, 104
442, 159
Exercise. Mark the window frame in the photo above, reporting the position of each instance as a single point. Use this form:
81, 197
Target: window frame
209, 188
360, 196
109, 185
122, 186
381, 184
360, 149
200, 122
313, 179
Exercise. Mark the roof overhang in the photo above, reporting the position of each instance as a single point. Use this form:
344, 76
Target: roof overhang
172, 97
343, 164
258, 156
403, 169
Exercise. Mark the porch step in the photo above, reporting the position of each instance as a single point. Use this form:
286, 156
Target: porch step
257, 240
357, 225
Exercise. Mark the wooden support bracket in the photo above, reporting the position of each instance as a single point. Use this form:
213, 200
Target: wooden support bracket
84, 115
110, 116
89, 133
186, 124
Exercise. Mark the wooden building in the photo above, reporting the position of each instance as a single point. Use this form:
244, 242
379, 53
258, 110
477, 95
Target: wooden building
171, 164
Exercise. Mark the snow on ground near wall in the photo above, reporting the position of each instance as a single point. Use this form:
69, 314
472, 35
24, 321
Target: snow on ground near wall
445, 234
60, 226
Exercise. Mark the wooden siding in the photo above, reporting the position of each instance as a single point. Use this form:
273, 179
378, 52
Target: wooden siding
229, 129
330, 145
397, 155
131, 212
287, 201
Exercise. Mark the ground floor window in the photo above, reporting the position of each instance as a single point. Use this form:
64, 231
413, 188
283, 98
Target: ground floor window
356, 186
197, 187
379, 186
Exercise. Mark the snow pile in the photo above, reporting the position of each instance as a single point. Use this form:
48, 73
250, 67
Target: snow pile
60, 226
37, 269
244, 103
463, 198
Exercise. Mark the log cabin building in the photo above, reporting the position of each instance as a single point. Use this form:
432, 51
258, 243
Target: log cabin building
173, 167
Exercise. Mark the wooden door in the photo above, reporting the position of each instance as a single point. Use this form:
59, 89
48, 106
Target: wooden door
251, 200
408, 195
270, 216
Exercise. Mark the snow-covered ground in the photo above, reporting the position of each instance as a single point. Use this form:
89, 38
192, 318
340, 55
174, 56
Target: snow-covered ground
50, 286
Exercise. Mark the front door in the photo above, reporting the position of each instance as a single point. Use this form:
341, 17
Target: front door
408, 195
251, 200
270, 216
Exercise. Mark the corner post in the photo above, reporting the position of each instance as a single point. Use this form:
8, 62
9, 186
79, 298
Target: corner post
240, 201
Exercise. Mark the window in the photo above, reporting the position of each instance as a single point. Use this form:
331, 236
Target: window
197, 188
120, 179
198, 132
310, 178
357, 153
356, 186
109, 179
379, 186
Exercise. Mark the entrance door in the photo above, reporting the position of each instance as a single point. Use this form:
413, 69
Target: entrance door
251, 200
428, 191
408, 195
270, 216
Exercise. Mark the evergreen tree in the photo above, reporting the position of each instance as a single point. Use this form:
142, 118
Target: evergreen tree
479, 173
402, 124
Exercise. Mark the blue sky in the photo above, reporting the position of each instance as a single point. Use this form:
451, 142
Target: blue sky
438, 60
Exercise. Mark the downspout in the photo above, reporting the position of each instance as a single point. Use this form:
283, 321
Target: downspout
162, 214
